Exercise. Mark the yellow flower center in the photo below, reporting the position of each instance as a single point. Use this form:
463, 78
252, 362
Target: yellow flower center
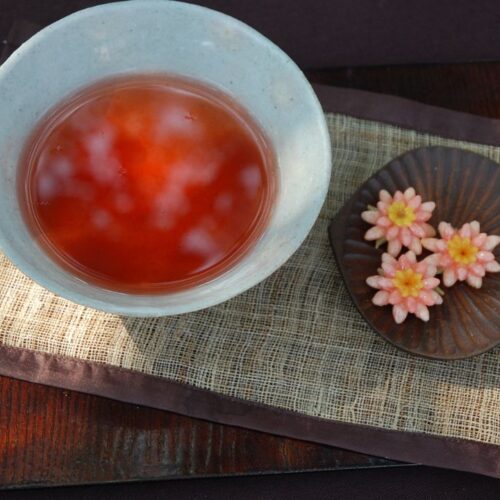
400, 214
408, 282
462, 250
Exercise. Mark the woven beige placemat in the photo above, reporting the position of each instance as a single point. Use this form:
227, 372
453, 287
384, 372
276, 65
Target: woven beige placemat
294, 342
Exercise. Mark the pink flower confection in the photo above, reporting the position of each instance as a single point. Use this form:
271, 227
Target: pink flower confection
400, 220
409, 286
463, 254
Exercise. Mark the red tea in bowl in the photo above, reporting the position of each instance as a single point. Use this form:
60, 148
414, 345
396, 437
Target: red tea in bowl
147, 184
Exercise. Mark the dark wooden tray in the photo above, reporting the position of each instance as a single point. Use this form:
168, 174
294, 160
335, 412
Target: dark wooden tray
465, 186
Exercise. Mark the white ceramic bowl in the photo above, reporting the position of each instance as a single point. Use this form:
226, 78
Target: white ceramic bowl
162, 36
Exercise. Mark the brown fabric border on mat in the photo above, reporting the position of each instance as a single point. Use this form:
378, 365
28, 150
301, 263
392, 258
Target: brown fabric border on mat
409, 114
133, 387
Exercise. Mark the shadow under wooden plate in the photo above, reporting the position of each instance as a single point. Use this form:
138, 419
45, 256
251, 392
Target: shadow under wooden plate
465, 187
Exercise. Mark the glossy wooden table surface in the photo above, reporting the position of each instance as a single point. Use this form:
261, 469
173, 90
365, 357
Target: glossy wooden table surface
53, 437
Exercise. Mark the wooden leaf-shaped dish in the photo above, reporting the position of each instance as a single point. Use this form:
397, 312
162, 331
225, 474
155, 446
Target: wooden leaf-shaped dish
465, 187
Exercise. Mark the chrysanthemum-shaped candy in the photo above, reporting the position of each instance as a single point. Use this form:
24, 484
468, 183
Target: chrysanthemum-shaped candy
463, 254
409, 286
401, 220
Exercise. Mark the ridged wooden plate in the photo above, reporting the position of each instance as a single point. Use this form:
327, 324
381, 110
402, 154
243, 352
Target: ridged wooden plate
465, 187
